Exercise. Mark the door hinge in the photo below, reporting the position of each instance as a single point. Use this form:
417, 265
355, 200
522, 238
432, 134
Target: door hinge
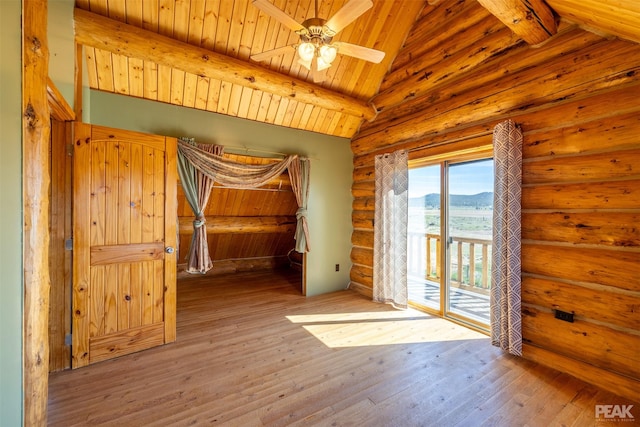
67, 340
69, 149
68, 245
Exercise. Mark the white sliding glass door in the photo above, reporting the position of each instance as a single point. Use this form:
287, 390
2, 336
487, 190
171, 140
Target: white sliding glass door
449, 239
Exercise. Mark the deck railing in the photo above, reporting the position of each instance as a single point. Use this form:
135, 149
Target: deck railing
470, 260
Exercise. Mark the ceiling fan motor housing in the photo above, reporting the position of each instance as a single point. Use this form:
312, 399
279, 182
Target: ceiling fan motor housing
316, 32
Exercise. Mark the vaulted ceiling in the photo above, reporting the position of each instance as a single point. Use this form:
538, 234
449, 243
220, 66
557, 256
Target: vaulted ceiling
196, 53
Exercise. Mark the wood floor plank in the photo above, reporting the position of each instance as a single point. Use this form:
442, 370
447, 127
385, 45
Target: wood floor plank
252, 351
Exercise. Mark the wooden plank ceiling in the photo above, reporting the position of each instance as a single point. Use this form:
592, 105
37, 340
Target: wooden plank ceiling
197, 52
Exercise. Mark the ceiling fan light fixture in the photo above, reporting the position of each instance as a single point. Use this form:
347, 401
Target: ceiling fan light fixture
322, 64
316, 50
328, 54
305, 64
306, 51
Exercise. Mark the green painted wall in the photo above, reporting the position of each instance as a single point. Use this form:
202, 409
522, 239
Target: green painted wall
11, 214
330, 200
61, 46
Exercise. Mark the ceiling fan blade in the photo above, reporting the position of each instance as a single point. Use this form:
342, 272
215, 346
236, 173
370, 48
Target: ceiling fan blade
361, 52
271, 53
267, 7
346, 15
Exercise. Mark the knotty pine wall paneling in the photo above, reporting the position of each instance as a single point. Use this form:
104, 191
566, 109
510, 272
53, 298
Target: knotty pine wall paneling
576, 99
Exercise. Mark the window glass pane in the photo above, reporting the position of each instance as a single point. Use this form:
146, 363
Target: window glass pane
423, 237
470, 221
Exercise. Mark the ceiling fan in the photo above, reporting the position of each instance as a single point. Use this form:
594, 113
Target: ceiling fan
316, 51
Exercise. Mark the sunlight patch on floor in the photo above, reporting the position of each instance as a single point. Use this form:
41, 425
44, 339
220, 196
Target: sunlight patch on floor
355, 316
382, 328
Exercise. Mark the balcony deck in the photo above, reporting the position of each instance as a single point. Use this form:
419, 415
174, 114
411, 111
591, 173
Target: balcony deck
468, 303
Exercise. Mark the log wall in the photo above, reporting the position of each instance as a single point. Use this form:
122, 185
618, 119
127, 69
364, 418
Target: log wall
576, 99
246, 229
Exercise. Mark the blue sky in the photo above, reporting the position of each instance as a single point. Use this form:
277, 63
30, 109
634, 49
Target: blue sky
464, 178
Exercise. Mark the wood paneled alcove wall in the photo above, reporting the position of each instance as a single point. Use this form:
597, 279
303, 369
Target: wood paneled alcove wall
246, 229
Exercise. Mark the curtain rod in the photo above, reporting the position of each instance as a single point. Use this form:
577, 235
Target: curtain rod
272, 190
451, 141
248, 150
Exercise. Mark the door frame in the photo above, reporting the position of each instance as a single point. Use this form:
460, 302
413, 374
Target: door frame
442, 157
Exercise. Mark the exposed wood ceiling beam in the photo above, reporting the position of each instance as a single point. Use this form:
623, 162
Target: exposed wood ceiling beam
620, 18
120, 38
533, 20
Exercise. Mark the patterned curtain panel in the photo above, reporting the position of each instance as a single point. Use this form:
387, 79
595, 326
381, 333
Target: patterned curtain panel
197, 189
390, 229
299, 173
506, 322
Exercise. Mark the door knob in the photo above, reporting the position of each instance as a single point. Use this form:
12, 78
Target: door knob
169, 250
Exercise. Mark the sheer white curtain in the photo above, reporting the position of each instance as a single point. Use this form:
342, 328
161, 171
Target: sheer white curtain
506, 322
390, 229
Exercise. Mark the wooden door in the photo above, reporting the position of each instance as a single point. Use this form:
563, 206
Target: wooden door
124, 232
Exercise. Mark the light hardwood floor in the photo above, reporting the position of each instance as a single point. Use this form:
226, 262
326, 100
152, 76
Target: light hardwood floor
251, 351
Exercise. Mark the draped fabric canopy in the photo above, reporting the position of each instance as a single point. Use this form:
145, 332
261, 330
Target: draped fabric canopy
506, 322
229, 173
200, 165
299, 174
197, 188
